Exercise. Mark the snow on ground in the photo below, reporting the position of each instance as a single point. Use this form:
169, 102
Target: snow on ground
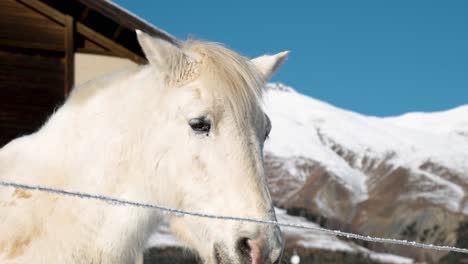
163, 238
316, 240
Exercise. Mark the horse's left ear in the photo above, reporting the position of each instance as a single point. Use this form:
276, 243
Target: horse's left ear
158, 51
269, 64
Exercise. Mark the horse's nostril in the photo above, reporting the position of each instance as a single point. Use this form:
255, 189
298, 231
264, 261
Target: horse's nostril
253, 251
244, 250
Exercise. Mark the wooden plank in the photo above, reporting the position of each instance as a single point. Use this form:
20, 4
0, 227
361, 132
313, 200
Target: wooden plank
85, 14
125, 18
117, 32
23, 27
33, 42
108, 43
45, 10
33, 61
31, 87
89, 46
69, 60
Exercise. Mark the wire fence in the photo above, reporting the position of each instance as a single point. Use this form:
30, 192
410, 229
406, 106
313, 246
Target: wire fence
123, 202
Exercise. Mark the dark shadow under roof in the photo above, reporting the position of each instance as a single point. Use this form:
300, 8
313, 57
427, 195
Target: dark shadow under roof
103, 27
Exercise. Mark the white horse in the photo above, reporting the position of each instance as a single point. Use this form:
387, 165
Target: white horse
185, 131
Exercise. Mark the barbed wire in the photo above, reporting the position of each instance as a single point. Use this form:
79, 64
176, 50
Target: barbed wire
123, 202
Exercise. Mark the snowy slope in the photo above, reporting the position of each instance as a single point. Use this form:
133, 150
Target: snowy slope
415, 135
313, 240
451, 122
306, 127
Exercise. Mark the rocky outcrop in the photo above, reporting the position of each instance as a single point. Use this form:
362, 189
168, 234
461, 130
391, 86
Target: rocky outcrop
396, 206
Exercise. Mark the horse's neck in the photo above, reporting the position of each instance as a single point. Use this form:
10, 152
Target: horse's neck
85, 147
91, 137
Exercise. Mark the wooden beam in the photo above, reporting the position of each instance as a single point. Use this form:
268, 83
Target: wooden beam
89, 46
86, 31
95, 51
69, 60
26, 44
85, 14
108, 43
117, 32
45, 10
126, 19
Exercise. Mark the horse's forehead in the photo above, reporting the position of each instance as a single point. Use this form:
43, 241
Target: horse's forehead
209, 98
198, 93
192, 93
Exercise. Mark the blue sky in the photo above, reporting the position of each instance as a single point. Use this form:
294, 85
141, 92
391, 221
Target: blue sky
375, 57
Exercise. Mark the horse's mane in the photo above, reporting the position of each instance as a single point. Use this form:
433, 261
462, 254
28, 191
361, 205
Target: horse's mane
216, 65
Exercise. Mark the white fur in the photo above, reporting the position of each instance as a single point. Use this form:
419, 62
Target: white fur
127, 136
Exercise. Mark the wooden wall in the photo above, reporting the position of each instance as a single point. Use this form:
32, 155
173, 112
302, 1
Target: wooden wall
38, 40
34, 68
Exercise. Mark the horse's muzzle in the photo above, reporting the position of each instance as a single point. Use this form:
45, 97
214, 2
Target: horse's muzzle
258, 251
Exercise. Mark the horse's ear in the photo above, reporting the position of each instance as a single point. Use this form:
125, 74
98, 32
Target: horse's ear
269, 64
157, 51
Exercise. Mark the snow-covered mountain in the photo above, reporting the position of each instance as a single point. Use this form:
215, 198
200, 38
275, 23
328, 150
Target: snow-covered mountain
402, 177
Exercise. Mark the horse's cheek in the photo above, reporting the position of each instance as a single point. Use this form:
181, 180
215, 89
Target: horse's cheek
199, 169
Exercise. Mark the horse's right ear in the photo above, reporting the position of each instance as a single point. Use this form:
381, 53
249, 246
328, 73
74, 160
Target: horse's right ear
158, 51
269, 64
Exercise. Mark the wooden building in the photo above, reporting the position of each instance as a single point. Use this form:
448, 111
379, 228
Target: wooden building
48, 46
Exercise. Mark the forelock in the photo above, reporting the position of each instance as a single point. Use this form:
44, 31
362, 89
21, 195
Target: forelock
234, 77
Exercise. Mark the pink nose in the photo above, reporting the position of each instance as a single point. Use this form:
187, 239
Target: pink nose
257, 252
264, 246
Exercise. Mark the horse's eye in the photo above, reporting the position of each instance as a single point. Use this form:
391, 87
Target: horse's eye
200, 125
267, 134
268, 127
